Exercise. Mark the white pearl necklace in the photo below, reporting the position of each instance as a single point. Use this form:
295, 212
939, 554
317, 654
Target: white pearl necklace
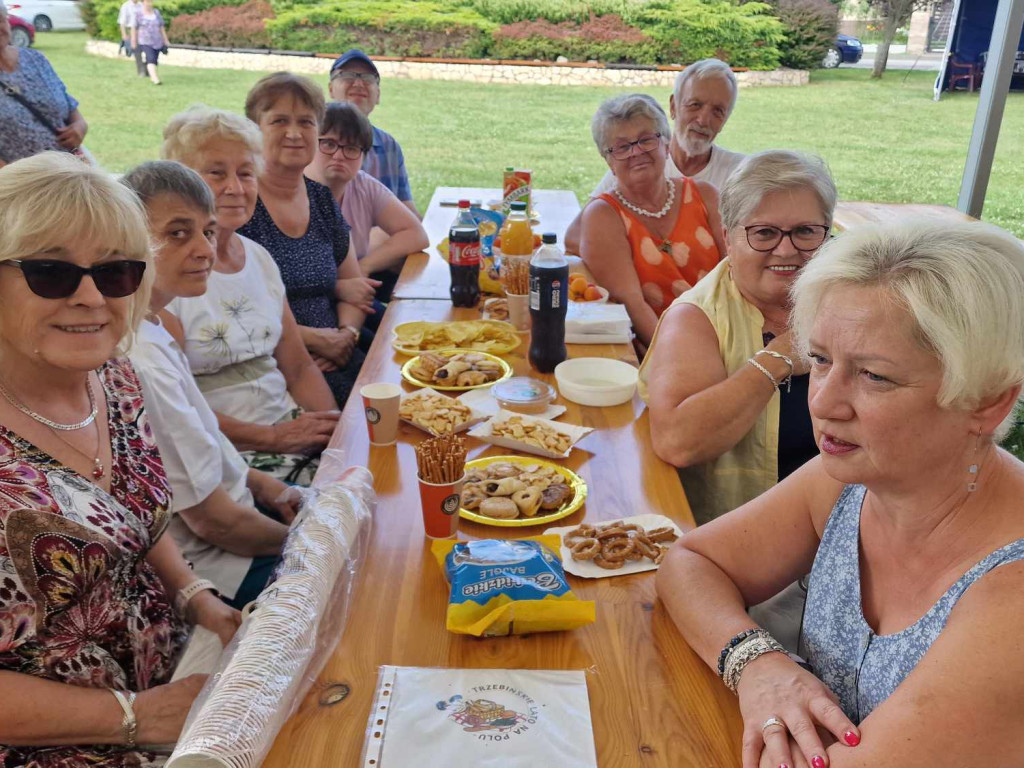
650, 214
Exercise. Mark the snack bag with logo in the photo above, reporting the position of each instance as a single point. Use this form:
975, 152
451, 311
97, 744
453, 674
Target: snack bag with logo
509, 587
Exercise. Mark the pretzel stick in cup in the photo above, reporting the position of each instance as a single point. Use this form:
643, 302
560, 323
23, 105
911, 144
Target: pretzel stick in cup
515, 275
441, 460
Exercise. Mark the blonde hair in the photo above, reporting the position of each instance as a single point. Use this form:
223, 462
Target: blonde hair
53, 199
961, 283
188, 132
775, 170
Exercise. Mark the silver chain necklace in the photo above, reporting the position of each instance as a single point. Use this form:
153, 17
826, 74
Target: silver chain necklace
53, 424
650, 214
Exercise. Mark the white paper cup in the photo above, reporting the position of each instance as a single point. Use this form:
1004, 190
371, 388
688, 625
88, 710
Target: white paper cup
380, 403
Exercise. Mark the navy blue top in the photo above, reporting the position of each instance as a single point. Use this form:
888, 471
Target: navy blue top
308, 264
796, 433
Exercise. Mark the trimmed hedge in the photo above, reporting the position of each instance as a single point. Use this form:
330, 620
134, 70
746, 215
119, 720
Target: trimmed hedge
745, 34
811, 27
100, 16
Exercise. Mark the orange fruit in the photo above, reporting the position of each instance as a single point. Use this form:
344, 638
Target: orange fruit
591, 294
578, 283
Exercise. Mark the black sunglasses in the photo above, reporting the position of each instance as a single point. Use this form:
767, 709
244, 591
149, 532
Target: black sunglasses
55, 279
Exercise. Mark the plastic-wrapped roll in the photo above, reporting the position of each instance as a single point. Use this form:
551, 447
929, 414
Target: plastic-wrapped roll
287, 637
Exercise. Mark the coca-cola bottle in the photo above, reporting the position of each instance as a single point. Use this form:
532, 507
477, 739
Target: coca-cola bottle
464, 257
549, 297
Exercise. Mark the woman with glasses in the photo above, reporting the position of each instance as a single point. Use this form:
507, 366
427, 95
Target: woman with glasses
345, 138
727, 391
651, 238
240, 336
88, 633
299, 222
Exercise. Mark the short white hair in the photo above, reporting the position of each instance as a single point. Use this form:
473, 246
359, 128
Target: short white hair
776, 170
53, 199
706, 69
962, 283
619, 109
188, 132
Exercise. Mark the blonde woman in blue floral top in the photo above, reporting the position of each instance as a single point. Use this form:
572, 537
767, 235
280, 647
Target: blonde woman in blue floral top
240, 337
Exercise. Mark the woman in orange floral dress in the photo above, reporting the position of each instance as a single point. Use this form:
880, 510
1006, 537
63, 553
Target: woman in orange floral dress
650, 239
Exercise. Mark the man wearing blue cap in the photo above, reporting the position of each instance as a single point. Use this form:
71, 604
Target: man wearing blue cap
354, 78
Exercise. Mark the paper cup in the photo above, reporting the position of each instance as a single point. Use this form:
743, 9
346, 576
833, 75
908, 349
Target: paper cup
519, 311
441, 502
380, 403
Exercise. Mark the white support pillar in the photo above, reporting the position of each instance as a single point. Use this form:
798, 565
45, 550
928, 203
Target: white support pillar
1002, 51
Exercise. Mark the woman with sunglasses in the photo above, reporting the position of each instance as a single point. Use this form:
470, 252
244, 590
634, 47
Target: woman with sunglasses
345, 138
727, 392
89, 635
651, 238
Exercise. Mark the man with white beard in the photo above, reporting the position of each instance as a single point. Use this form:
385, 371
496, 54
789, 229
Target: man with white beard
704, 97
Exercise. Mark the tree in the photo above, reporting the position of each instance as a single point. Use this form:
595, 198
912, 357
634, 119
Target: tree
894, 13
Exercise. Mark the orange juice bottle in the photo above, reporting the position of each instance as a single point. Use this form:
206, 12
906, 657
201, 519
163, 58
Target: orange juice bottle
516, 232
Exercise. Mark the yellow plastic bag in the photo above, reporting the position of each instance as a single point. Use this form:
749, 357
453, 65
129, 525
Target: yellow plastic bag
509, 587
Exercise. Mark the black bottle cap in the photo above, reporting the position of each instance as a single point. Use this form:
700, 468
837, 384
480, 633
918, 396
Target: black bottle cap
549, 238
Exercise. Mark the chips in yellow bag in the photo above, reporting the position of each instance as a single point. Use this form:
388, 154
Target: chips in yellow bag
509, 587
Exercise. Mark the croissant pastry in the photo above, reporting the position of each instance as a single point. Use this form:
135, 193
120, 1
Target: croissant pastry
451, 370
504, 487
471, 379
528, 501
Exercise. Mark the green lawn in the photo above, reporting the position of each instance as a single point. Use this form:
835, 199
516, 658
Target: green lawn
885, 141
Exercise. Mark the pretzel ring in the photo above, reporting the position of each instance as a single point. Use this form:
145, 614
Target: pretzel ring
610, 565
646, 548
662, 534
618, 549
585, 549
610, 533
660, 556
584, 531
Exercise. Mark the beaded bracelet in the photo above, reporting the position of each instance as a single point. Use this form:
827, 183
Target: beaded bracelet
732, 644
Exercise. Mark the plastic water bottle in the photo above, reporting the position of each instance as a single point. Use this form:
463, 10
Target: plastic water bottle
549, 301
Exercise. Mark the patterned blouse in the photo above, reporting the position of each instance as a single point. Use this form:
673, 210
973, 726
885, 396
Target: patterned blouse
78, 603
863, 669
21, 133
669, 268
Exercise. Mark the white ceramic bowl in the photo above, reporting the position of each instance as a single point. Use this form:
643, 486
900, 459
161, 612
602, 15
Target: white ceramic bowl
596, 380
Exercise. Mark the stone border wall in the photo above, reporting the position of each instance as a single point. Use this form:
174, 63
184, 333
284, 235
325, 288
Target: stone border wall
532, 73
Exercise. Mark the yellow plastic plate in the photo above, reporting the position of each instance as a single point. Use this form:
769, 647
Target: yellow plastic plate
461, 329
506, 371
541, 518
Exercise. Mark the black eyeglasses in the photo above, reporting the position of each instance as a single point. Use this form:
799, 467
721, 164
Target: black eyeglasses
55, 279
349, 151
644, 144
806, 237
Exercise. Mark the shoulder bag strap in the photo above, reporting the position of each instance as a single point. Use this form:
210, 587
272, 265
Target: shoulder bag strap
15, 93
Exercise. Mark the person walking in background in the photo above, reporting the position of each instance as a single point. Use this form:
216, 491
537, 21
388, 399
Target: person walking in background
150, 32
125, 16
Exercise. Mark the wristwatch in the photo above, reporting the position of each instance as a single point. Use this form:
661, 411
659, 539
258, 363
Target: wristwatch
351, 329
186, 593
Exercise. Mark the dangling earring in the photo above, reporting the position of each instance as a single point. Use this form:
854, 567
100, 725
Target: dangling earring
972, 470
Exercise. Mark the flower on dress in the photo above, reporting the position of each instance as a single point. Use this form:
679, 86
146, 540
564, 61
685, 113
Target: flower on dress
215, 339
235, 308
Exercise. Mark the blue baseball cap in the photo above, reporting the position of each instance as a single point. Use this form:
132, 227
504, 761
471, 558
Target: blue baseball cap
353, 54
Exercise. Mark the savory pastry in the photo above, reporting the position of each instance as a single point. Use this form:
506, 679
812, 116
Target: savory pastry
555, 495
451, 370
472, 496
528, 501
427, 365
471, 379
502, 469
501, 508
504, 487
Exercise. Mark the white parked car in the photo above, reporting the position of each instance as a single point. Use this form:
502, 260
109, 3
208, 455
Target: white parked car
46, 15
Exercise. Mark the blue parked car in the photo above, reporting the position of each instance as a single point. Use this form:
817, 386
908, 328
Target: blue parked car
847, 49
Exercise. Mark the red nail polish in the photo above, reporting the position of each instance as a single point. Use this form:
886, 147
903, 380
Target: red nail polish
818, 761
783, 765
851, 738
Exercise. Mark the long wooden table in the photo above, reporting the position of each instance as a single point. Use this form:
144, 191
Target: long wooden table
654, 703
850, 214
426, 276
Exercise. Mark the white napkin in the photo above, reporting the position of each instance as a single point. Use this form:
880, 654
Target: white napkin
587, 323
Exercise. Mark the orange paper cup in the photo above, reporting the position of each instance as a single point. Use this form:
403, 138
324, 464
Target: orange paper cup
441, 502
380, 404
